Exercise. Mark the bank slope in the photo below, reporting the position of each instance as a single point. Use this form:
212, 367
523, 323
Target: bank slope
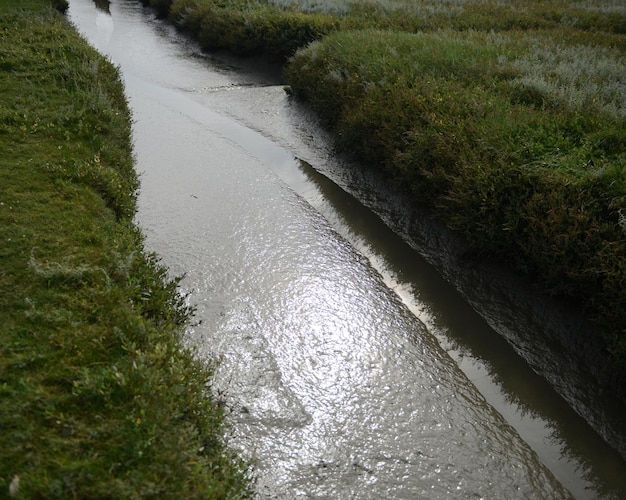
99, 397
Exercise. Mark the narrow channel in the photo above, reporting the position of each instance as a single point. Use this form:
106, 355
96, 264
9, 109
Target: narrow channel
344, 355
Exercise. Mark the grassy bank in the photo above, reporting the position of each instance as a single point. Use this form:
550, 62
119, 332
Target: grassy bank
507, 119
515, 140
98, 397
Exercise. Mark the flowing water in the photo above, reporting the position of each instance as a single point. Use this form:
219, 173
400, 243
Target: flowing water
341, 359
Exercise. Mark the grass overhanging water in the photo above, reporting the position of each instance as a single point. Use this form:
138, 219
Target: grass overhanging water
100, 399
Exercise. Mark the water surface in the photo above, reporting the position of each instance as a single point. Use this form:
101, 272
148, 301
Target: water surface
329, 328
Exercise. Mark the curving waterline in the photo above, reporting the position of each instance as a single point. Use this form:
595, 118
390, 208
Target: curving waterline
323, 415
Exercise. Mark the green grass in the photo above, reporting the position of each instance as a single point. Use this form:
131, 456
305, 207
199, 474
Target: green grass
513, 139
279, 27
507, 119
99, 397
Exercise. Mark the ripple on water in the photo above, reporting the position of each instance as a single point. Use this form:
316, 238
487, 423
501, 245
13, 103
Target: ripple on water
335, 389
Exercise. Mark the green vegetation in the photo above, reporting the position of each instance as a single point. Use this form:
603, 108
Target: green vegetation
244, 27
511, 143
515, 139
507, 119
100, 399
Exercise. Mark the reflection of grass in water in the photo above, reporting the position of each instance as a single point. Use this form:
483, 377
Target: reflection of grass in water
98, 397
103, 5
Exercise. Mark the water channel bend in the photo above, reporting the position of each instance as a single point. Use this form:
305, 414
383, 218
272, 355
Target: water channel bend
336, 387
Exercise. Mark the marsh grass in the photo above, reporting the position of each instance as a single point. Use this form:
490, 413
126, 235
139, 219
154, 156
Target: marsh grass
515, 140
99, 397
582, 78
248, 27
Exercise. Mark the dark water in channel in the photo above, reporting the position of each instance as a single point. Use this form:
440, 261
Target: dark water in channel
345, 355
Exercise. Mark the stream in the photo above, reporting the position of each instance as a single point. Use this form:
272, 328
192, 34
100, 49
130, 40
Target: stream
351, 365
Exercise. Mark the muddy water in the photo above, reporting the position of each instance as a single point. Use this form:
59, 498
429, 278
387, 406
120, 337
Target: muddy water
329, 327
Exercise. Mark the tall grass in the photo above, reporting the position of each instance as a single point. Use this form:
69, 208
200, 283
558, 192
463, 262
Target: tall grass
514, 139
581, 77
279, 27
